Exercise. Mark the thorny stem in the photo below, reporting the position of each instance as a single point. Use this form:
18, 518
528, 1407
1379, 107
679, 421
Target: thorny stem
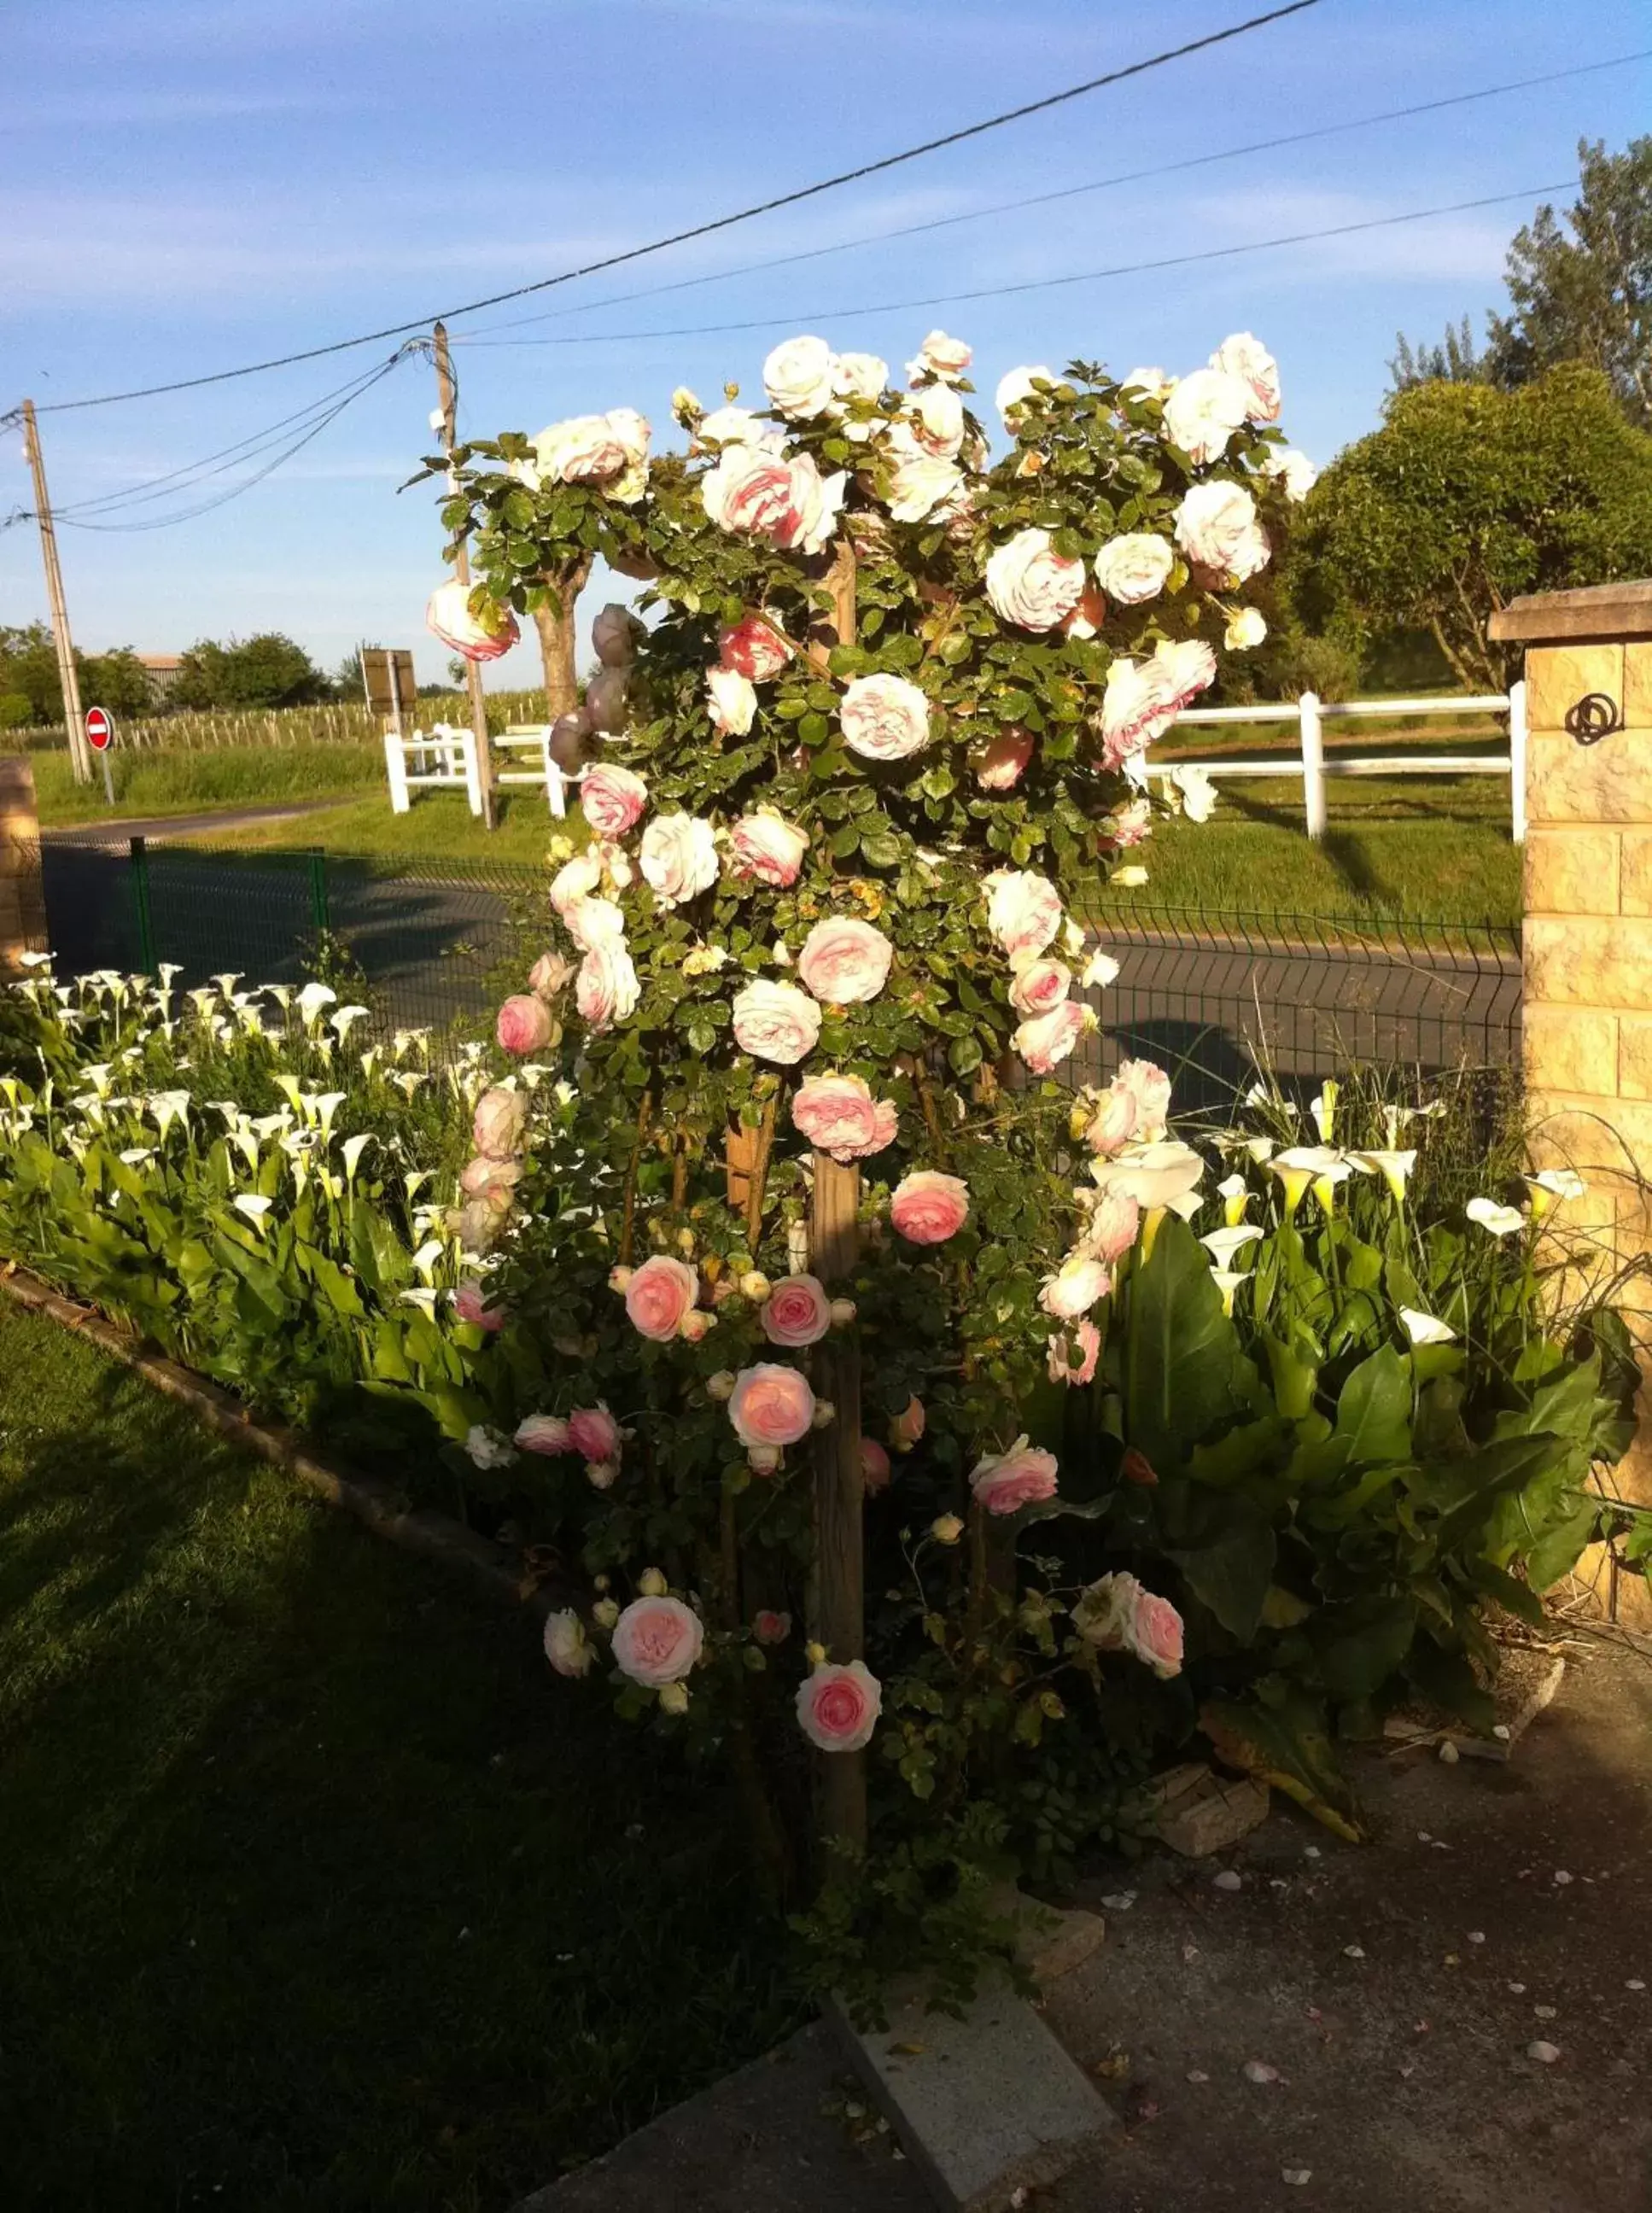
628, 1221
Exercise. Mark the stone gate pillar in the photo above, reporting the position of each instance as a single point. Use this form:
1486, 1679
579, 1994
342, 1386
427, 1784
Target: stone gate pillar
1588, 959
22, 915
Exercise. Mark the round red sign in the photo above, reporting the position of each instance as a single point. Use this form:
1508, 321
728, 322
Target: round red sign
100, 729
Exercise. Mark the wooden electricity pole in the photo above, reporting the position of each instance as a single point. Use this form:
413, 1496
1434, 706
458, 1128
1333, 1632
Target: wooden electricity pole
447, 392
79, 752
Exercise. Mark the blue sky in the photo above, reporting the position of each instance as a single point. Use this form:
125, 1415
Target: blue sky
194, 183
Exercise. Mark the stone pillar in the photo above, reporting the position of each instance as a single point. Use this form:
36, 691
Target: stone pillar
1587, 939
23, 911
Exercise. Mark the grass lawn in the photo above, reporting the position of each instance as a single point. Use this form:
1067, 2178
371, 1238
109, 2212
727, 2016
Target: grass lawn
317, 1891
439, 825
191, 782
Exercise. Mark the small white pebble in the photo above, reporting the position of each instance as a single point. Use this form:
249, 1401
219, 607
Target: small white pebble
1278, 1882
463, 1934
1543, 2013
1190, 1953
1353, 1951
1228, 1880
1518, 1989
1633, 1983
1296, 2176
1440, 1845
1548, 2053
1561, 1876
1476, 1935
1310, 1852
1258, 2070
1448, 1752
1196, 2075
1424, 1838
1119, 1901
1499, 1730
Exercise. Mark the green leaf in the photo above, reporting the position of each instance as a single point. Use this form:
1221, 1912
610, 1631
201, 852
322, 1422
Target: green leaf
1360, 1645
1232, 1574
1374, 1410
964, 1056
1183, 1366
1282, 1738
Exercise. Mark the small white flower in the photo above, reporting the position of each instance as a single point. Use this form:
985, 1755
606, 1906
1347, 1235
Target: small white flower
1501, 1221
254, 1208
168, 1107
1099, 971
352, 1149
1223, 1244
424, 1300
487, 1448
1425, 1329
1324, 1109
1195, 791
135, 1155
1394, 1168
36, 960
312, 999
346, 1018
226, 982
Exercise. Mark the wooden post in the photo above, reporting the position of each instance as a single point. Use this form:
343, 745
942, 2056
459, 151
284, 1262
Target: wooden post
449, 398
80, 753
22, 911
838, 1591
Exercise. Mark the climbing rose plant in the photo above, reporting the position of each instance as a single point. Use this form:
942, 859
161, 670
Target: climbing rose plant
851, 798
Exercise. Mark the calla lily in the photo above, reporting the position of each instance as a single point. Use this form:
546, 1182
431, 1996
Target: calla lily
98, 1077
312, 999
345, 1018
135, 1155
168, 1107
408, 1079
1227, 1283
328, 1105
271, 1126
287, 1084
1222, 1244
1186, 1203
352, 1149
1302, 1165
1394, 1168
226, 982
424, 1300
1550, 1186
425, 1259
369, 1061
36, 960
281, 993
1235, 1196
1501, 1221
201, 1000
1424, 1328
1324, 1109
247, 1144
1153, 1175
416, 1182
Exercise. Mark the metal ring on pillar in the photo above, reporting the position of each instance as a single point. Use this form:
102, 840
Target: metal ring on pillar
1593, 717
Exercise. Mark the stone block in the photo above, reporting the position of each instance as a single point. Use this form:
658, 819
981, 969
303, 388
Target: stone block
1634, 872
1637, 683
1558, 675
1611, 782
1571, 872
1201, 1812
1604, 1140
1588, 960
983, 2107
1635, 1057
1570, 1048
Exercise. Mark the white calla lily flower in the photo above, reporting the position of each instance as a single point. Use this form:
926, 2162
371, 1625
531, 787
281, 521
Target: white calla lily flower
424, 1300
1426, 1328
353, 1150
1324, 1108
311, 1001
1300, 1166
1226, 1283
1393, 1167
135, 1155
346, 1018
252, 1205
227, 980
1501, 1221
1235, 1196
1550, 1186
1222, 1244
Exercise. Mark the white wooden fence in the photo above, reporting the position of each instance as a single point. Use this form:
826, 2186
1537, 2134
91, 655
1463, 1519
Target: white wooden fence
443, 759
1312, 764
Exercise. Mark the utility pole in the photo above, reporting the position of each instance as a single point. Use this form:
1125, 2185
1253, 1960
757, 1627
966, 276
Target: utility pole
448, 394
79, 753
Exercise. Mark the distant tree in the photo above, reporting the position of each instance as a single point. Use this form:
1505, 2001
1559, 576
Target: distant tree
268, 670
1452, 361
199, 682
16, 710
1587, 297
1465, 497
347, 677
118, 680
28, 670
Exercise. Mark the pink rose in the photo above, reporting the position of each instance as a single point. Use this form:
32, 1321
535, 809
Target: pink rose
844, 962
1114, 1124
1150, 1086
1144, 698
940, 357
1023, 911
524, 1024
448, 614
935, 416
549, 976
797, 1311
479, 1224
770, 1627
679, 857
1216, 528
797, 377
928, 1208
657, 1641
1045, 1040
612, 799
482, 1177
576, 880
753, 491
732, 701
1135, 567
838, 1115
884, 717
763, 846
594, 922
594, 1434
1131, 824
838, 1707
544, 1433
1154, 1634
1244, 356
607, 990
1041, 986
610, 450
771, 1405
1114, 1222
1000, 762
470, 1304
1203, 412
660, 1297
1005, 1482
1072, 1357
1078, 1284
776, 1022
875, 1465
753, 647
497, 1126
1117, 1614
907, 1427
1030, 584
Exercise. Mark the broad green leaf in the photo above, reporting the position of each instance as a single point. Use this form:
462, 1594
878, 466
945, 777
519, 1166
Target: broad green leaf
1284, 1742
1232, 1574
1374, 1410
1183, 1367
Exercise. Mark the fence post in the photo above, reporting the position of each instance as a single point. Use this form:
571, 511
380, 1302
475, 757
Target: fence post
473, 779
319, 915
139, 851
395, 769
1307, 709
1517, 761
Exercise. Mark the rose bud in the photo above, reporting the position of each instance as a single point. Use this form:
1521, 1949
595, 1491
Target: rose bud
946, 1529
602, 1473
770, 1627
1136, 1467
686, 1242
619, 1277
722, 1385
674, 1698
763, 1458
816, 1654
843, 1313
605, 1613
825, 1414
695, 1324
755, 1285
651, 1583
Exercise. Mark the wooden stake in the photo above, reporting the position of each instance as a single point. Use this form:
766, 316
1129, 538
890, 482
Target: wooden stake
448, 395
80, 753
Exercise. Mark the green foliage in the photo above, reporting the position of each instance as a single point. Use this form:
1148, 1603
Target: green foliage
1452, 360
1466, 496
267, 670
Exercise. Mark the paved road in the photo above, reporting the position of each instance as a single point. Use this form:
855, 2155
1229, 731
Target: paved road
116, 830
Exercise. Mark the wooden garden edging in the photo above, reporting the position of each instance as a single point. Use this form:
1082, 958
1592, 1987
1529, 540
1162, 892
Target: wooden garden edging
376, 1503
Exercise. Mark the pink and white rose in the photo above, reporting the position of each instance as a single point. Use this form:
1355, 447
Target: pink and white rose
753, 647
767, 848
838, 1707
757, 493
731, 700
612, 799
566, 1645
546, 1434
1294, 471
927, 1207
1073, 1354
936, 414
1004, 1482
550, 976
1023, 913
609, 451
594, 1434
679, 857
594, 922
776, 1022
524, 1024
796, 1312
1244, 356
1143, 698
497, 1125
884, 717
576, 880
606, 989
447, 614
470, 1303
1112, 1231
660, 1296
1030, 584
838, 1115
1216, 528
1134, 567
1077, 1286
1203, 412
940, 357
1040, 987
844, 962
1017, 386
1247, 628
798, 378
1000, 763
1044, 1041
484, 1179
907, 1427
875, 1470
658, 1641
770, 1627
1117, 1613
923, 485
858, 375
771, 1406
1150, 1086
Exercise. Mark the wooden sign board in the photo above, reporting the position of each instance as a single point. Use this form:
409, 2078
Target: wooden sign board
388, 681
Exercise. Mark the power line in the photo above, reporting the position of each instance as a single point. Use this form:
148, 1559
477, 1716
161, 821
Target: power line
1066, 193
804, 315
705, 229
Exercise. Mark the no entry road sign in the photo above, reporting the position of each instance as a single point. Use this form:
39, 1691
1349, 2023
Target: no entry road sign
100, 729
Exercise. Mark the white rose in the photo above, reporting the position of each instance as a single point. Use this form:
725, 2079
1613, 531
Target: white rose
1203, 412
1030, 584
1247, 628
858, 376
1133, 568
679, 857
921, 486
941, 358
1152, 381
884, 717
733, 700
937, 418
1016, 385
1197, 793
1216, 528
1294, 470
738, 426
797, 377
1245, 357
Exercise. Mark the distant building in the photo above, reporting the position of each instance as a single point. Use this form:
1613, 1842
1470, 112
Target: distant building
162, 669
